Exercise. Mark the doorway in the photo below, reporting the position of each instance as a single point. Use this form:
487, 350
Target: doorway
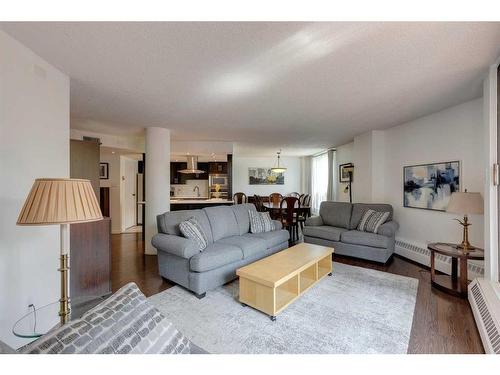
129, 170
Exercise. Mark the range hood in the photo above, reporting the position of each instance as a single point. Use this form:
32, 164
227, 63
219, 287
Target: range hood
192, 165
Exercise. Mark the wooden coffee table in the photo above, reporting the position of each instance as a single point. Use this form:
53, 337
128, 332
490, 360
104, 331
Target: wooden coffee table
271, 284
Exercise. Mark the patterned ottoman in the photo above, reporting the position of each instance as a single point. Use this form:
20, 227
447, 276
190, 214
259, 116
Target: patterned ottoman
124, 323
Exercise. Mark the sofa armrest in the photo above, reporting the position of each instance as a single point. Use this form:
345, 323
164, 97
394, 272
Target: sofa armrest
277, 225
388, 229
314, 221
176, 245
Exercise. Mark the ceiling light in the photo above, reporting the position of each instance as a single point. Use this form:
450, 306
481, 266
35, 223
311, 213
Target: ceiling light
278, 168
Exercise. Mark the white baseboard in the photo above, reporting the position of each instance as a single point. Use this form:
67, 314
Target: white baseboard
419, 253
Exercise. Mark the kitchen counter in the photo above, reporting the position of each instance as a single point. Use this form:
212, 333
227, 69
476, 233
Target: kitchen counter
193, 204
201, 200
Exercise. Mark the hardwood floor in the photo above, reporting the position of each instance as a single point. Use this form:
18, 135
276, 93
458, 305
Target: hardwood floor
441, 323
128, 263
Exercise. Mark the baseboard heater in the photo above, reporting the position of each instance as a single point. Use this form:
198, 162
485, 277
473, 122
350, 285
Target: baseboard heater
484, 298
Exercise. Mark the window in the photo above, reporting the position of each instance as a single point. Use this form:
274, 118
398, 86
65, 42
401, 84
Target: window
319, 181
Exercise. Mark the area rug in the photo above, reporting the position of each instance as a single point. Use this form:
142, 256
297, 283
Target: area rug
357, 310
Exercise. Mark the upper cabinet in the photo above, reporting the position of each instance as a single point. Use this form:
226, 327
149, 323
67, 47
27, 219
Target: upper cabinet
217, 167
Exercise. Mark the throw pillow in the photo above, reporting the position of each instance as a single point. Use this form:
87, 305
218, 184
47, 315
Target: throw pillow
372, 220
260, 222
192, 229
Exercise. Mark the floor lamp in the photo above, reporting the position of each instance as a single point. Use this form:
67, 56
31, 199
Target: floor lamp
349, 170
64, 202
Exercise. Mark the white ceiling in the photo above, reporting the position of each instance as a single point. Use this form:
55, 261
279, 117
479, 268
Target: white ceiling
296, 86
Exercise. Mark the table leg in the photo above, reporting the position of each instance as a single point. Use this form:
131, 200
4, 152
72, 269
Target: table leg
463, 276
454, 268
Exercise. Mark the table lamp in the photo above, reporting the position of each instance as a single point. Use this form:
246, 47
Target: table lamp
465, 203
61, 201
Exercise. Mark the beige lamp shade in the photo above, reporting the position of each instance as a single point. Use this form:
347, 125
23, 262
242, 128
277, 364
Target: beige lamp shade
60, 201
465, 203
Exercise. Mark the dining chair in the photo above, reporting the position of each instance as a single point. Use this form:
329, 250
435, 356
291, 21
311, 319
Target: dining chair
294, 194
275, 198
289, 207
240, 198
305, 211
259, 203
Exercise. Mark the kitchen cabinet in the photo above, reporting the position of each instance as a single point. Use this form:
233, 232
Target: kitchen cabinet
217, 167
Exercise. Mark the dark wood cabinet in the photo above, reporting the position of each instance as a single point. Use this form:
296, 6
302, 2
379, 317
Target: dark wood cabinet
90, 243
90, 259
217, 167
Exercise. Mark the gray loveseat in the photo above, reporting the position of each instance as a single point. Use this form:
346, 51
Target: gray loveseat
336, 226
230, 246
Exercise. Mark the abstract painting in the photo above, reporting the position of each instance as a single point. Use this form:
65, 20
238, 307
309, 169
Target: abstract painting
265, 176
430, 186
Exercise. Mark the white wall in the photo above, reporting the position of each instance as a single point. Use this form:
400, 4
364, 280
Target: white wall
453, 134
113, 183
240, 174
131, 143
343, 155
34, 142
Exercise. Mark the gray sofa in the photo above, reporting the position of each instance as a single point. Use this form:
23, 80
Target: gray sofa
230, 246
336, 226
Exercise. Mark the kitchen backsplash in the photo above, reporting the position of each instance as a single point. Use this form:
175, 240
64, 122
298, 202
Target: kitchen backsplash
188, 190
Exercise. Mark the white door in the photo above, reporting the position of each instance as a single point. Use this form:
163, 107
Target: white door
129, 201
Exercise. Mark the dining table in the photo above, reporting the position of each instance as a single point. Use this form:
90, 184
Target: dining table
276, 210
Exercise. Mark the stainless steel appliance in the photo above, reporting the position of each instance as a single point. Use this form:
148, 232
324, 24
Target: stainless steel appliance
221, 180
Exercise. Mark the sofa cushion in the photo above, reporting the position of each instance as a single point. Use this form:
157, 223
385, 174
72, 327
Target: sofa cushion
168, 222
356, 237
214, 256
241, 213
192, 229
124, 323
359, 209
272, 239
249, 247
325, 232
336, 214
260, 222
372, 220
222, 221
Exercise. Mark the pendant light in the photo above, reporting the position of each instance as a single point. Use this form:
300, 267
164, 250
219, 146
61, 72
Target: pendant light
278, 168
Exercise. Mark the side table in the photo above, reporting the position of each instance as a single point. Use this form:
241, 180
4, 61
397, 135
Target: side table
454, 284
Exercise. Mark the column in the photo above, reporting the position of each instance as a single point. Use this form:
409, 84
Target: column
157, 181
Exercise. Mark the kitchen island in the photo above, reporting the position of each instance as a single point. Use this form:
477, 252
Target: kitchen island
178, 204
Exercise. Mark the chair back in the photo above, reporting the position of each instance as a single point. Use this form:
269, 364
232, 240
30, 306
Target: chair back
259, 203
306, 200
275, 198
292, 205
294, 194
240, 198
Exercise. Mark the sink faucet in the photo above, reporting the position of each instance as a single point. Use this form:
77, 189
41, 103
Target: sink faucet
197, 188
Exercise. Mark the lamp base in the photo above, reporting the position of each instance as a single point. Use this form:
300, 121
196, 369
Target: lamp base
465, 247
64, 304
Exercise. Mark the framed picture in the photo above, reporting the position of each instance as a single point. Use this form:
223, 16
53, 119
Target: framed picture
265, 176
344, 172
429, 186
104, 171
